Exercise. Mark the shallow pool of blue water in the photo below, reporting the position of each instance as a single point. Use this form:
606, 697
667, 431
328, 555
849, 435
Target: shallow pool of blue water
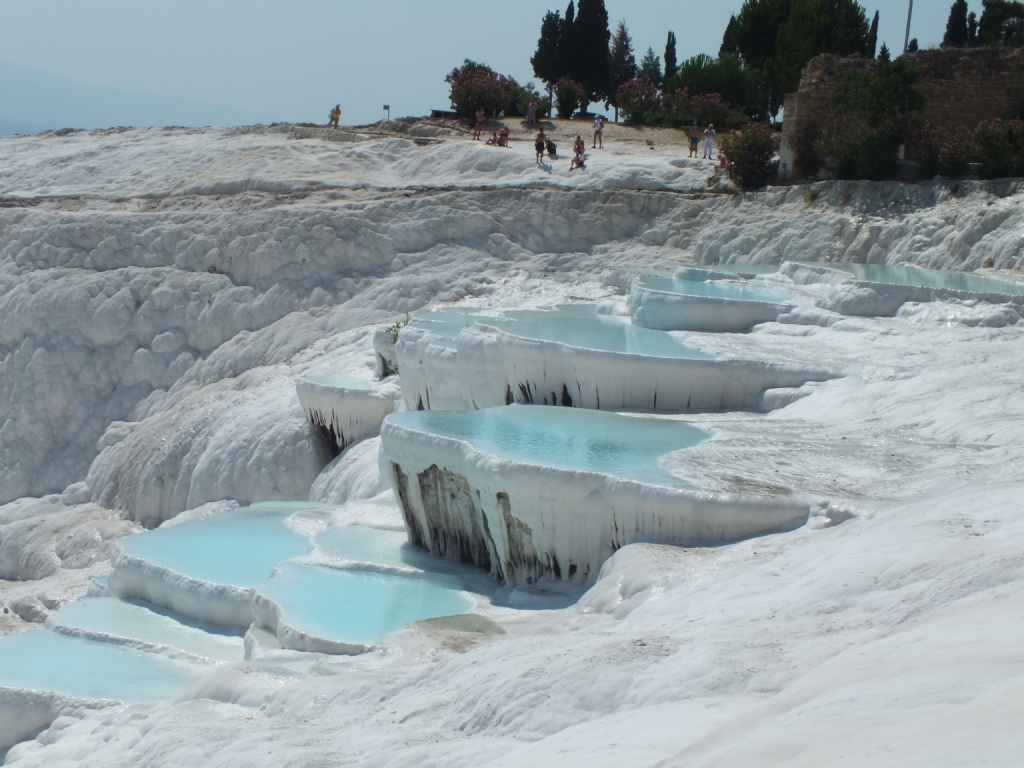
564, 438
714, 289
360, 544
47, 661
236, 548
357, 606
135, 620
929, 278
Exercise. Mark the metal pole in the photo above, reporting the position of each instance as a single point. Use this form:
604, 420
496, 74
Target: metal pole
906, 40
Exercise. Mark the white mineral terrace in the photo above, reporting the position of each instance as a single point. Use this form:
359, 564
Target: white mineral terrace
531, 492
821, 567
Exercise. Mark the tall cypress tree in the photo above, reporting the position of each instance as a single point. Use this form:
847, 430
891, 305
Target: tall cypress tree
956, 26
873, 37
592, 35
621, 65
671, 65
546, 61
567, 42
729, 38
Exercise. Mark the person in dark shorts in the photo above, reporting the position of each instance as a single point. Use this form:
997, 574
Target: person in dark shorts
694, 139
551, 147
540, 145
579, 149
479, 124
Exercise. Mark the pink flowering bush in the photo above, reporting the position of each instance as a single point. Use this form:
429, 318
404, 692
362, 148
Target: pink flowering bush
750, 156
638, 100
477, 86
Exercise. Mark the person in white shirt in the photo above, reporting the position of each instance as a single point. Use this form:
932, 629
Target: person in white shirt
709, 142
598, 128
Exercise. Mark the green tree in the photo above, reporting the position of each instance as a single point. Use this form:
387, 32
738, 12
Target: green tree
1002, 23
546, 61
873, 37
622, 64
956, 26
883, 53
591, 38
972, 28
650, 68
729, 38
754, 35
567, 41
812, 28
671, 63
725, 76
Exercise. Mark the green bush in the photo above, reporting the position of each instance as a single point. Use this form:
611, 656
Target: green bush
998, 145
806, 159
724, 76
568, 97
750, 156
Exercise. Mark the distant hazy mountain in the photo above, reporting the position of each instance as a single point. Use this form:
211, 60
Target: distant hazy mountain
32, 101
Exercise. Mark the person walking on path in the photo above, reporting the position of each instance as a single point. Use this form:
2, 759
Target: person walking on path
531, 114
479, 124
598, 131
694, 139
335, 116
709, 142
540, 145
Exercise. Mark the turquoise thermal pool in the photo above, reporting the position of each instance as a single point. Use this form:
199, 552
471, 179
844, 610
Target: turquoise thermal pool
711, 289
49, 662
132, 620
928, 278
575, 325
339, 382
360, 544
564, 438
236, 548
354, 606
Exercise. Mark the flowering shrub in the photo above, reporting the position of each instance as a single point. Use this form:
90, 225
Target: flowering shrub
568, 97
841, 142
638, 100
750, 156
476, 86
712, 108
998, 145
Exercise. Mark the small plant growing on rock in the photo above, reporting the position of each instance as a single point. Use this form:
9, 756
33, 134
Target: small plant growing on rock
393, 329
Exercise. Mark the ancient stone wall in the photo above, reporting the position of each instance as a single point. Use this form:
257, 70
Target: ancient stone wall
963, 85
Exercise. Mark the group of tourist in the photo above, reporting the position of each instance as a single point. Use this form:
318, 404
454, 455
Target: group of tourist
709, 140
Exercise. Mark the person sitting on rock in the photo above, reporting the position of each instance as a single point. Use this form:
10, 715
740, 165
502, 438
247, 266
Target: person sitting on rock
551, 147
335, 116
494, 141
579, 149
503, 136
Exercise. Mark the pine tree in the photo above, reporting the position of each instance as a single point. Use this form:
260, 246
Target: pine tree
729, 38
671, 64
883, 54
972, 29
621, 65
873, 37
650, 68
912, 46
590, 61
956, 26
546, 61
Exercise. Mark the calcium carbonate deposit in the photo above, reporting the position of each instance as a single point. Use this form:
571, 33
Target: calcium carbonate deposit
228, 538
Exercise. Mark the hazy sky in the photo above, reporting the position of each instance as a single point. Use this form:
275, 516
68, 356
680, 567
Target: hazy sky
291, 61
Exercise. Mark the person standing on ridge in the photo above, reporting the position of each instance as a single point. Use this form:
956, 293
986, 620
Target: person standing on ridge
540, 144
694, 139
479, 124
598, 132
335, 116
709, 142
